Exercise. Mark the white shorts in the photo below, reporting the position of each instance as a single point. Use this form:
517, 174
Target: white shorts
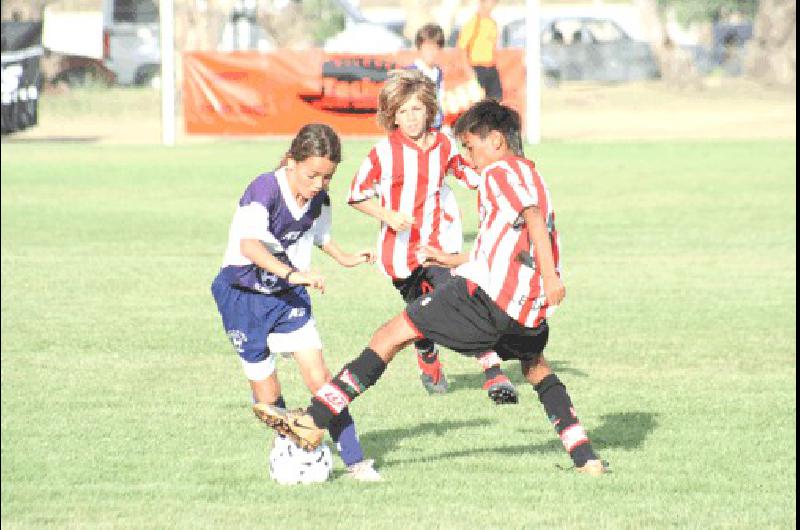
305, 338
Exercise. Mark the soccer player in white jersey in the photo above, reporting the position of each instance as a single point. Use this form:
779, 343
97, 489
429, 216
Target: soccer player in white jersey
405, 172
260, 290
500, 296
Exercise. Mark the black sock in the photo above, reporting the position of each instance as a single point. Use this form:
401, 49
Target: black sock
280, 402
426, 350
491, 373
490, 364
356, 376
558, 406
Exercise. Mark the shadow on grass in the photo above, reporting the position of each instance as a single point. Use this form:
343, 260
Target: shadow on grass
458, 382
381, 442
624, 430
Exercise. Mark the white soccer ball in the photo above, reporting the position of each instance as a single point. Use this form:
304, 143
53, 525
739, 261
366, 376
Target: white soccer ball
290, 464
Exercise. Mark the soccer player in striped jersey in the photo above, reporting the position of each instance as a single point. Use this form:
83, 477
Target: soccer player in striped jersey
405, 172
500, 297
260, 290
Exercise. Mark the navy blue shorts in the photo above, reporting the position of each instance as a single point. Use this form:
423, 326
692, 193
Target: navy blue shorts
249, 317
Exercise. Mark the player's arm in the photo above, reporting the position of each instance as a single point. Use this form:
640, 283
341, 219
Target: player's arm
255, 251
440, 258
397, 221
554, 288
332, 249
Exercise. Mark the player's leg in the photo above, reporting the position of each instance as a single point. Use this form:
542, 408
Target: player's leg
498, 386
353, 380
558, 405
247, 333
362, 372
449, 316
342, 428
431, 373
267, 390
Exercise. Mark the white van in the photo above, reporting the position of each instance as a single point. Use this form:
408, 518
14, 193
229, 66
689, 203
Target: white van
131, 41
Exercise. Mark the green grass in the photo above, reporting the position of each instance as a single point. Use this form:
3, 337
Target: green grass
123, 404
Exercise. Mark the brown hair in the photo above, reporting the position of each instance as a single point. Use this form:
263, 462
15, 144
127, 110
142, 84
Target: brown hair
399, 87
314, 139
430, 33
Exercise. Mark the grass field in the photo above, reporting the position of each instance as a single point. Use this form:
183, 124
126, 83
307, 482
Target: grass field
124, 406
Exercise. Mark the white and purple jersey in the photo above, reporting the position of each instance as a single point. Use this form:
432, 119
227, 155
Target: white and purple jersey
435, 74
269, 212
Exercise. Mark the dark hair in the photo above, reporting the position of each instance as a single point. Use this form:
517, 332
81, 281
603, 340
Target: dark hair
487, 116
315, 139
430, 32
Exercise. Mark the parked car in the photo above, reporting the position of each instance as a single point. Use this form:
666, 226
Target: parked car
131, 46
586, 49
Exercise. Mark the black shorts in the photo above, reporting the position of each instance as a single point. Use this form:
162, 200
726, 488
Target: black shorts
462, 317
421, 281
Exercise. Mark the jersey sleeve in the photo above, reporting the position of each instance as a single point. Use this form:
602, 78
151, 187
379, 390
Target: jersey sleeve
465, 174
322, 225
251, 221
510, 192
365, 182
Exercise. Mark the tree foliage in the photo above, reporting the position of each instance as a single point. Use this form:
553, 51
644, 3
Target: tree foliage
688, 11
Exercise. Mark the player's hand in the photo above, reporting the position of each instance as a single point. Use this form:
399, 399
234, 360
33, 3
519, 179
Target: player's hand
311, 279
362, 256
399, 222
434, 257
554, 289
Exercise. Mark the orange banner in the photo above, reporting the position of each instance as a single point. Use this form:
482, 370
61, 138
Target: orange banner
252, 93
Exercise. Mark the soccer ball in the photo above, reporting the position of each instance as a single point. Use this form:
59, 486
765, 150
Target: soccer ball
289, 464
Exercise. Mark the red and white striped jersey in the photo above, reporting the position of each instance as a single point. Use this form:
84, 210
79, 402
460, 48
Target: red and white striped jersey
502, 261
408, 179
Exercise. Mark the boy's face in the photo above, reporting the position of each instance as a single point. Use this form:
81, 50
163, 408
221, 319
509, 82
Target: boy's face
429, 52
312, 175
412, 118
482, 152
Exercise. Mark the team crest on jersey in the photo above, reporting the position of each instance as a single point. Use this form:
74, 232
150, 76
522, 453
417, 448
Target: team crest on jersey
266, 280
237, 338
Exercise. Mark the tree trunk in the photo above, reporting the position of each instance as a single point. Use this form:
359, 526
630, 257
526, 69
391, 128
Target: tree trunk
675, 64
772, 53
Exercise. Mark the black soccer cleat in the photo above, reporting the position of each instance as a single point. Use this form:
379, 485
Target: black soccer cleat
501, 391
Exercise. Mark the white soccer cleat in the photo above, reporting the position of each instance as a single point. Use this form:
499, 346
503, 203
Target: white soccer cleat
364, 471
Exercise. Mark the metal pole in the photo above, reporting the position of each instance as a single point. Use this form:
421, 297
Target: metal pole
167, 25
533, 74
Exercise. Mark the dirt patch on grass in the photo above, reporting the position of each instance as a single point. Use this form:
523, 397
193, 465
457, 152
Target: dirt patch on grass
720, 109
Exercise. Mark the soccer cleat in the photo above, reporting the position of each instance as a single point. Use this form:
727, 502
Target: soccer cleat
594, 468
501, 390
297, 425
364, 471
432, 376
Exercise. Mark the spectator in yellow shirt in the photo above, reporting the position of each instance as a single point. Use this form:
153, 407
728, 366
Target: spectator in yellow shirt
478, 38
